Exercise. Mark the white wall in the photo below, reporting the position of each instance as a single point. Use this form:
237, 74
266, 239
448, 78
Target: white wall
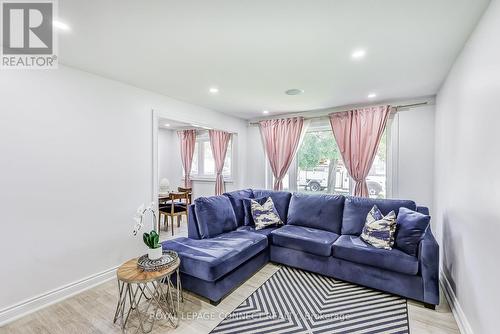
414, 175
169, 158
76, 163
467, 179
256, 175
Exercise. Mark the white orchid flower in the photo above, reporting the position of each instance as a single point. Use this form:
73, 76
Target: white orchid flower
139, 217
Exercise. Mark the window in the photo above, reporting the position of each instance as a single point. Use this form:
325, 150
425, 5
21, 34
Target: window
194, 163
318, 167
208, 159
203, 166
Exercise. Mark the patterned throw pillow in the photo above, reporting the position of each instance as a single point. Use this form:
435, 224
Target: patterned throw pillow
264, 215
379, 230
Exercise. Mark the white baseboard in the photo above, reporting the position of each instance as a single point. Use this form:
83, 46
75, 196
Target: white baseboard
30, 305
458, 313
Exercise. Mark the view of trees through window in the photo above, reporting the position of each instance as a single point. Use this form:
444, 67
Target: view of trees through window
320, 168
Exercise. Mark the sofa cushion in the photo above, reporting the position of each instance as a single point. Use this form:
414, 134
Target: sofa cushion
281, 200
423, 210
304, 239
247, 206
236, 199
317, 211
410, 230
352, 248
265, 231
210, 259
356, 209
214, 215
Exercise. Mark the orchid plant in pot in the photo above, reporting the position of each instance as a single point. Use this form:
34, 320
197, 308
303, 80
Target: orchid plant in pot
151, 239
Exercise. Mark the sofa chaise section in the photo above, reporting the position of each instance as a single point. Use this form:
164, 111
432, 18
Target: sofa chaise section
217, 256
210, 259
214, 267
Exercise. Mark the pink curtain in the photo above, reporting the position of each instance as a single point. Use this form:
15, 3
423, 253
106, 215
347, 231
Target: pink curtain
358, 133
281, 139
187, 139
219, 141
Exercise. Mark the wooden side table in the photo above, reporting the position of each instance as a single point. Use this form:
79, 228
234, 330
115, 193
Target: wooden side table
155, 287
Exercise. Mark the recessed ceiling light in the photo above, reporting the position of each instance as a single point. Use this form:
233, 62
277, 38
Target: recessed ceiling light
372, 95
358, 54
265, 111
213, 90
167, 125
294, 91
60, 25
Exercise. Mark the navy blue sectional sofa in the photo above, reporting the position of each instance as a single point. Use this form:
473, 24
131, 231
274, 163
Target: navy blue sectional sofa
321, 235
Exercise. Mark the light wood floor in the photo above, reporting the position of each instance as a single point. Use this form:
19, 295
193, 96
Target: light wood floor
166, 232
92, 311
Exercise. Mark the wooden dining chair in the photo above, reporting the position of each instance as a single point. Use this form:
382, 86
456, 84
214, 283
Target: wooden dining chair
174, 208
189, 191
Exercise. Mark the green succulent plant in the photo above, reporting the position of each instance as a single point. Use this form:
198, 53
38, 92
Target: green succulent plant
152, 239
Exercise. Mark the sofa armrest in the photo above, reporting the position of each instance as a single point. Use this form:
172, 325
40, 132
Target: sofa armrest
428, 255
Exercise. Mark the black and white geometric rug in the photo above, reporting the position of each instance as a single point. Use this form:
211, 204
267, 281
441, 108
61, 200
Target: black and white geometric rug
296, 301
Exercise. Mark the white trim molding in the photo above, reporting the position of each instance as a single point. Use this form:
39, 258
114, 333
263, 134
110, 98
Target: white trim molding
456, 308
31, 305
155, 183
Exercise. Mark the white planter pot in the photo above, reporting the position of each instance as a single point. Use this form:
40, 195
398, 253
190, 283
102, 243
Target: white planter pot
155, 253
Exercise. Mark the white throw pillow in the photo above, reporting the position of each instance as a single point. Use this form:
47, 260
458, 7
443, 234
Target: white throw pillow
379, 230
264, 215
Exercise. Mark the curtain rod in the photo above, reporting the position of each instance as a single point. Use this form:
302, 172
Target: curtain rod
325, 116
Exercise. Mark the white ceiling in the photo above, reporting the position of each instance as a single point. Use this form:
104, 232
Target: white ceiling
255, 50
